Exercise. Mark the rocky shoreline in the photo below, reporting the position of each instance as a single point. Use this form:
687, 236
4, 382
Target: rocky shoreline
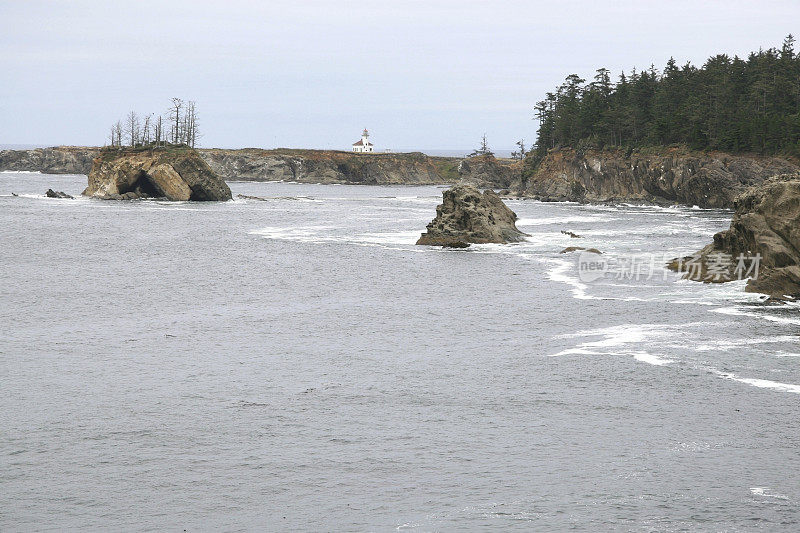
304, 166
664, 176
660, 176
762, 243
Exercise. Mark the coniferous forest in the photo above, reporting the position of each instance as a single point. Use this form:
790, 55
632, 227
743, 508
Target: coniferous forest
728, 104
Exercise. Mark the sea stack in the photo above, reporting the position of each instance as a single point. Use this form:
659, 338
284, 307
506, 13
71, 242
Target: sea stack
174, 173
468, 216
763, 242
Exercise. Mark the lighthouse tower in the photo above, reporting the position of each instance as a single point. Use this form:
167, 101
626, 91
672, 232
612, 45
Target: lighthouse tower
363, 146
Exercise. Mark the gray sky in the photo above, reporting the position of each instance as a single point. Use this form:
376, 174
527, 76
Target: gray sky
419, 74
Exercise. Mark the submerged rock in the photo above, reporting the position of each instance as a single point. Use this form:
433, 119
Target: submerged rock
571, 234
569, 249
55, 194
248, 197
468, 216
763, 242
174, 173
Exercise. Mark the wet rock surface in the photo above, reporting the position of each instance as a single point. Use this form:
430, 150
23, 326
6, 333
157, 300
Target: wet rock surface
468, 216
55, 194
763, 242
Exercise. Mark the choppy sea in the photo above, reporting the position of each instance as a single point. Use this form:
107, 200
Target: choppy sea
299, 364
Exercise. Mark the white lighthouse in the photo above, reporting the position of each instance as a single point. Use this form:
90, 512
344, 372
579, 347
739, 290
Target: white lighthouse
363, 146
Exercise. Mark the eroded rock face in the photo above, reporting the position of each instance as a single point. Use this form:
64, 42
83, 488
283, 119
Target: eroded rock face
175, 174
488, 171
468, 216
664, 176
329, 166
55, 160
766, 223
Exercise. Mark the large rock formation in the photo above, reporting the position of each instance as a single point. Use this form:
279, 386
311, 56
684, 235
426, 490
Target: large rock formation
173, 173
766, 224
662, 176
468, 216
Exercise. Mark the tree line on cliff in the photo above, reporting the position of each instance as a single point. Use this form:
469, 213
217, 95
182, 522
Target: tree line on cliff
728, 104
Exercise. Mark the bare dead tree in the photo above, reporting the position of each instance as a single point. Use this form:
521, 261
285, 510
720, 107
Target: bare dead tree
184, 129
158, 130
146, 130
175, 115
115, 134
190, 120
181, 118
132, 128
118, 131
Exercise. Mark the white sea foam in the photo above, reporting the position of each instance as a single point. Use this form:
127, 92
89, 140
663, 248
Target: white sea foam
711, 294
738, 311
323, 234
20, 172
760, 383
299, 234
726, 345
398, 237
767, 493
616, 338
563, 220
651, 359
559, 274
786, 354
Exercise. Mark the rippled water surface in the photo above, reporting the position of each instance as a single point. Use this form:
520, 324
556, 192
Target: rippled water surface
298, 363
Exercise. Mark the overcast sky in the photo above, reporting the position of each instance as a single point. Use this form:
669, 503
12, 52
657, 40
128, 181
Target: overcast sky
419, 74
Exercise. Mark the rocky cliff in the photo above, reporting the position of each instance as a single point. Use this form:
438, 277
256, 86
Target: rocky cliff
174, 173
55, 160
468, 216
328, 166
664, 176
306, 166
763, 242
488, 171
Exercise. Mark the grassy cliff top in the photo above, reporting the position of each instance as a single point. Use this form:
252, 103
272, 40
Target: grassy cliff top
169, 152
326, 154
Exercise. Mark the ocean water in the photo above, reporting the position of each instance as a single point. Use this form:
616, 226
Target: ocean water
298, 364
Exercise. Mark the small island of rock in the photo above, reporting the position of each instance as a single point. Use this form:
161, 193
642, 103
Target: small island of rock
468, 216
174, 173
